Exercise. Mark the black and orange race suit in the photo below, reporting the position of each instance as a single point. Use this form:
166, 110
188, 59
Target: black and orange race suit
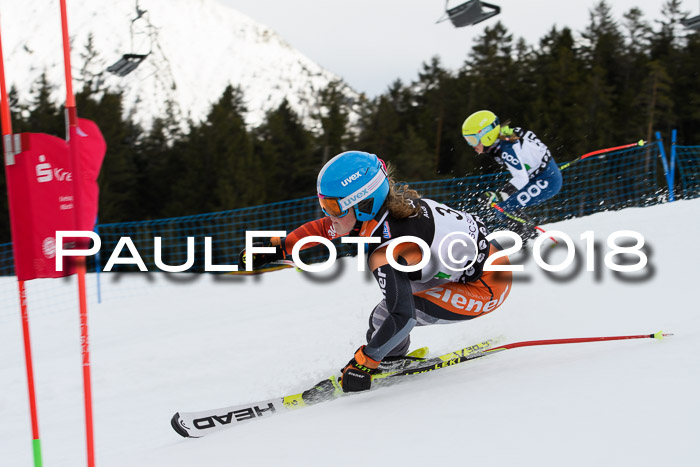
452, 286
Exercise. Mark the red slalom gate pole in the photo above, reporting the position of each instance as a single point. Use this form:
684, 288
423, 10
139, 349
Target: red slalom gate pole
36, 442
82, 293
70, 98
9, 148
72, 118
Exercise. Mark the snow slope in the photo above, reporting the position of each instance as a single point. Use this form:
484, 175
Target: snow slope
197, 47
162, 344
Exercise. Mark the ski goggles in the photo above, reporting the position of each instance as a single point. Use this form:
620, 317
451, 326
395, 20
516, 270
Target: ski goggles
331, 206
339, 207
474, 139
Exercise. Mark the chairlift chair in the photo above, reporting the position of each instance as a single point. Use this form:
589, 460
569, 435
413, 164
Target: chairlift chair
470, 13
692, 23
126, 64
129, 62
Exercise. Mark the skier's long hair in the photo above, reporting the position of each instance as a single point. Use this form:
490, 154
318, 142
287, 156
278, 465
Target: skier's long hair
507, 134
400, 200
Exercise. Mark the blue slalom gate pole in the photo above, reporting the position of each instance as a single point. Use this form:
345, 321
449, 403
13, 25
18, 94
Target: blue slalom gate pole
667, 169
98, 265
674, 132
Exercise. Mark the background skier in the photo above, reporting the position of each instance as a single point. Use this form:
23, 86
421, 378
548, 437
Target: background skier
535, 175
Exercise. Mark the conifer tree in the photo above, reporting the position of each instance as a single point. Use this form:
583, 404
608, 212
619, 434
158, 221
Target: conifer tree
118, 176
92, 72
635, 66
493, 74
45, 116
414, 161
215, 169
154, 160
657, 98
286, 151
381, 122
687, 92
556, 114
603, 78
432, 109
333, 118
18, 111
670, 45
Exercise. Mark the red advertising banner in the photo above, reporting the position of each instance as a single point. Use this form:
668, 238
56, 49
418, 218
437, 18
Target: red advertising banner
91, 152
43, 189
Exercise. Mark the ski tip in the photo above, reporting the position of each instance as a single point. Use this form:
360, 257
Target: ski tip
660, 335
175, 423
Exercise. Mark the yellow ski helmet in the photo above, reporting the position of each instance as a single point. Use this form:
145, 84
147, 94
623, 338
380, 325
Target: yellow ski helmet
482, 126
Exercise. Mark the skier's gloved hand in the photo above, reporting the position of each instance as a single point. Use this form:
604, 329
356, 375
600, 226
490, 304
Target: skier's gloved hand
260, 260
508, 190
357, 374
491, 197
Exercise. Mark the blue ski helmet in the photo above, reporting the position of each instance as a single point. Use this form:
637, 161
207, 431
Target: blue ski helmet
353, 179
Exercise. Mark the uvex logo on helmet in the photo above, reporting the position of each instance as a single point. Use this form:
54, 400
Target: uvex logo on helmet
351, 178
354, 199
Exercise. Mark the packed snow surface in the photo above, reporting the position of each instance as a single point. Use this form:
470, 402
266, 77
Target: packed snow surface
165, 343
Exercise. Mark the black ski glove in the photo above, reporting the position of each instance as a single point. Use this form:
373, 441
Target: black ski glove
357, 374
260, 260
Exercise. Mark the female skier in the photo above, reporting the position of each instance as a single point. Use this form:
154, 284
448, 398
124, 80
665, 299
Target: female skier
535, 175
360, 199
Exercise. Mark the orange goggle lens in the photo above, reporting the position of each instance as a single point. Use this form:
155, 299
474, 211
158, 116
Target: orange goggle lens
331, 206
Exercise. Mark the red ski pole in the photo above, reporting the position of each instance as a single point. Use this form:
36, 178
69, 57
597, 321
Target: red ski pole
641, 142
577, 340
565, 166
469, 353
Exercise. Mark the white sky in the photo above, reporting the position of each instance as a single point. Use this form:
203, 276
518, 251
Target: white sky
370, 43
